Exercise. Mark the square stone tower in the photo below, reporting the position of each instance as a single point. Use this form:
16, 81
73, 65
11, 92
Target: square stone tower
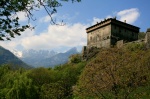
147, 38
106, 33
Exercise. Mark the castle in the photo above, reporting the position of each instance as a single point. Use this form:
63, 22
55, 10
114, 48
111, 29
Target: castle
109, 33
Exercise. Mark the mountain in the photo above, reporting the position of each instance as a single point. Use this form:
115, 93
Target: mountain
6, 57
33, 57
46, 58
58, 59
17, 53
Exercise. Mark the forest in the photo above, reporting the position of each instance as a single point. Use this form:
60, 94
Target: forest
112, 74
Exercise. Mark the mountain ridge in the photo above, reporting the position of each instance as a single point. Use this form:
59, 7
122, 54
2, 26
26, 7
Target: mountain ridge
46, 58
6, 57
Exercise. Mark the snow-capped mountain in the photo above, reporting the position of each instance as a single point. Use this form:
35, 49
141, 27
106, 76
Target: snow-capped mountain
38, 53
45, 58
17, 53
57, 59
32, 57
6, 57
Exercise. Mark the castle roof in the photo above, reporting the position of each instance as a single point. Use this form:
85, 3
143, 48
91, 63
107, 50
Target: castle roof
111, 21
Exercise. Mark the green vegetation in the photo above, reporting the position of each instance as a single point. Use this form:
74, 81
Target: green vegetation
141, 35
112, 74
75, 58
116, 74
39, 83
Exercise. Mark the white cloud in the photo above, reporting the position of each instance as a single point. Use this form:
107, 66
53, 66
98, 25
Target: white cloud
22, 16
45, 19
54, 37
17, 41
109, 16
95, 20
130, 15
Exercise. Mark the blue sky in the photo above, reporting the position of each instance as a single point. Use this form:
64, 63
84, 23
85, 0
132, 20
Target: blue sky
77, 16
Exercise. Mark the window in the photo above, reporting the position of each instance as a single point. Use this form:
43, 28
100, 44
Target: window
115, 26
98, 38
132, 33
119, 30
107, 37
90, 38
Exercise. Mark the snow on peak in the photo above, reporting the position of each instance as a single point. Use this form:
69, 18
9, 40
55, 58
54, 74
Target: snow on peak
17, 53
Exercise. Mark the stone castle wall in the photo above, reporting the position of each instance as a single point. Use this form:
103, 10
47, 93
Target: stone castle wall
108, 32
88, 52
99, 37
147, 38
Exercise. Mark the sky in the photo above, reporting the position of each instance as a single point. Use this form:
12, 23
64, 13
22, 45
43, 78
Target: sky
77, 17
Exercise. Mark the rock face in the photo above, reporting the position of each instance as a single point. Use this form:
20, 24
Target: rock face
6, 57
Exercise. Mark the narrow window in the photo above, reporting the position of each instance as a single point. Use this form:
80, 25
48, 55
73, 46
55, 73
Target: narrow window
132, 33
98, 38
115, 26
90, 38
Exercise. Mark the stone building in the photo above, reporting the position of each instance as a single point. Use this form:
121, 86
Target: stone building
110, 31
147, 38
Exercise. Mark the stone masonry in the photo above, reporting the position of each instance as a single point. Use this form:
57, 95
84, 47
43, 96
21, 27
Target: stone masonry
147, 38
108, 32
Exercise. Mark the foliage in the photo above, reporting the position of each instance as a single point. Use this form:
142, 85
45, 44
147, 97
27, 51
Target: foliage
112, 74
115, 74
16, 85
141, 35
9, 9
75, 58
39, 83
135, 46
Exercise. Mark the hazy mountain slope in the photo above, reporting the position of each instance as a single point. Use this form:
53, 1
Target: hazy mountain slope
33, 57
6, 57
58, 59
46, 58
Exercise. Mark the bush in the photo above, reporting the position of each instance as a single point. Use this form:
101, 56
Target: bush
75, 58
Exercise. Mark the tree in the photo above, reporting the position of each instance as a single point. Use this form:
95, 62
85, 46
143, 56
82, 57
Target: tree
75, 58
14, 84
141, 35
115, 74
9, 20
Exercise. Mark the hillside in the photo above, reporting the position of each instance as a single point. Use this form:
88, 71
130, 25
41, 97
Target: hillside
6, 57
111, 74
116, 74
